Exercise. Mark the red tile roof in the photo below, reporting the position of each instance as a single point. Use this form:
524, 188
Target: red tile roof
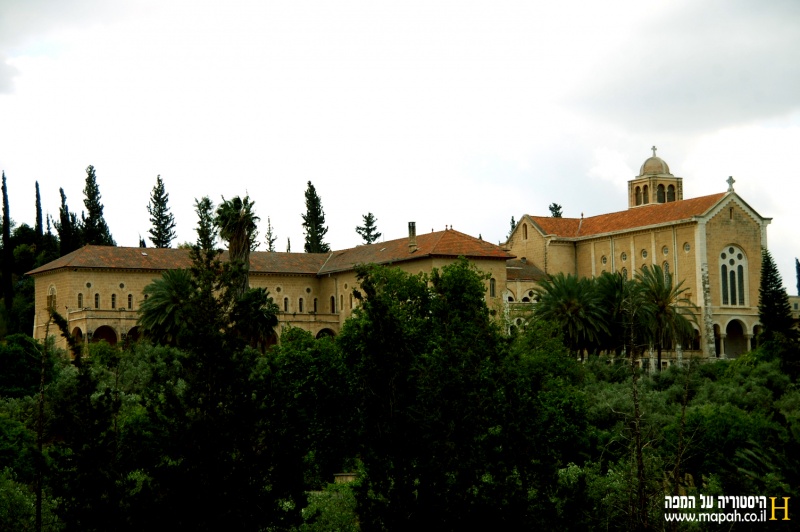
449, 243
648, 215
104, 257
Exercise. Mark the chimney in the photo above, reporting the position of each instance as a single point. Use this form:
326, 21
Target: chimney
412, 237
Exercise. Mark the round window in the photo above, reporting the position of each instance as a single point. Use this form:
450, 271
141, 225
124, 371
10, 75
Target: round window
687, 247
665, 250
604, 259
624, 256
644, 253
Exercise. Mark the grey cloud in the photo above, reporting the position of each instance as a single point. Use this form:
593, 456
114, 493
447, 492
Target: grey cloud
705, 66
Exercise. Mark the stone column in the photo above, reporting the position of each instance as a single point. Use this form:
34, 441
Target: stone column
722, 345
749, 338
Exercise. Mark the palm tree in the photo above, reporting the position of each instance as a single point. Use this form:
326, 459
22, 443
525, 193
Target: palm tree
575, 306
614, 290
161, 316
237, 224
667, 311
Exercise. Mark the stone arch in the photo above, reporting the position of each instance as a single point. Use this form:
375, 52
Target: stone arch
133, 335
717, 341
77, 333
694, 343
524, 231
661, 194
324, 333
671, 193
645, 195
735, 340
638, 195
757, 330
509, 295
105, 332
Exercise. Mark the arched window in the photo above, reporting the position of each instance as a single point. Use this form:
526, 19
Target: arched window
671, 193
665, 267
524, 231
351, 301
300, 305
130, 301
315, 304
97, 301
645, 195
333, 304
341, 301
51, 298
625, 273
113, 300
286, 304
492, 287
661, 194
80, 300
733, 275
638, 196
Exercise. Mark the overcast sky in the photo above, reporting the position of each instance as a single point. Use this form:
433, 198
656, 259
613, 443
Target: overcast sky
444, 113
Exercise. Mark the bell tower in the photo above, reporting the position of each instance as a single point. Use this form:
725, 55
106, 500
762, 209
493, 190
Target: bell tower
654, 184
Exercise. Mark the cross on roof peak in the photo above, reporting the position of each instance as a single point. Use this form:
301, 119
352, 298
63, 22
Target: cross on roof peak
730, 182
654, 150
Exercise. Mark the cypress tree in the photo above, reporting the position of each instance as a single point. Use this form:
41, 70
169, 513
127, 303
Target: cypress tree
68, 227
39, 229
95, 229
8, 253
314, 223
206, 231
163, 231
270, 236
369, 231
774, 310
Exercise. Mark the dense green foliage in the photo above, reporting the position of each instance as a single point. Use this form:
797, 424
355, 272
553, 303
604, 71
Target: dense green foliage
555, 210
447, 422
314, 223
162, 233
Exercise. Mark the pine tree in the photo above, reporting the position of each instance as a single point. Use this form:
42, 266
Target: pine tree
95, 229
206, 230
270, 236
163, 231
774, 310
68, 227
314, 223
555, 210
288, 245
369, 232
142, 243
513, 226
39, 231
8, 253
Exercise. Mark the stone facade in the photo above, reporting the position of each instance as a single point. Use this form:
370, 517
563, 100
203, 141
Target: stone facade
713, 244
99, 289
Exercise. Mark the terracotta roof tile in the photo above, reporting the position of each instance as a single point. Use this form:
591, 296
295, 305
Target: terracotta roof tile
168, 259
653, 214
447, 243
517, 270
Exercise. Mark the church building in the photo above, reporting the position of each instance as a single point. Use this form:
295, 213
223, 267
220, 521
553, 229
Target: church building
711, 243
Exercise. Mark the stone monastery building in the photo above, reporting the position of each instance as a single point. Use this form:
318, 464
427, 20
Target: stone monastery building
713, 243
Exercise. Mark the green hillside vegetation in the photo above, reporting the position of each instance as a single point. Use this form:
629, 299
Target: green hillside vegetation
447, 422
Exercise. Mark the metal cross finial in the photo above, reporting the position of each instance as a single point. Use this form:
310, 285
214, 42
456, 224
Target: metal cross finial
730, 182
654, 150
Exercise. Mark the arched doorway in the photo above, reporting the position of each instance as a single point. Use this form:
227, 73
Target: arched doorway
325, 333
77, 333
735, 341
105, 333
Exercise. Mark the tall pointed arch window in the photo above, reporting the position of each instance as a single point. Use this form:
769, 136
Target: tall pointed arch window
661, 196
51, 298
733, 275
671, 193
638, 196
646, 195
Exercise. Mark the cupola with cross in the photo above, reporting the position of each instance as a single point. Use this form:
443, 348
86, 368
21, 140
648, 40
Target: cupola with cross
654, 184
